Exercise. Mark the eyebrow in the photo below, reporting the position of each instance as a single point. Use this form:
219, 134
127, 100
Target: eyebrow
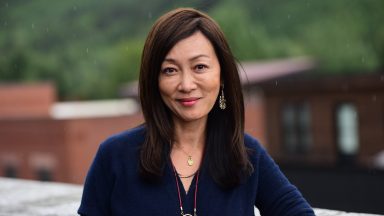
191, 59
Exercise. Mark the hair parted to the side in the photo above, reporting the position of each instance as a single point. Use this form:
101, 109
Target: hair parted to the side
225, 153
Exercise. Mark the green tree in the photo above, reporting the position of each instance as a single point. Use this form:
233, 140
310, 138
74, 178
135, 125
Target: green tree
89, 48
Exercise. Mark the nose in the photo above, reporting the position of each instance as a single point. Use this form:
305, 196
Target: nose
187, 82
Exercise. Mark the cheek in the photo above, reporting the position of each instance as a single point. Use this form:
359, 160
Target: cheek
166, 91
213, 88
215, 84
164, 88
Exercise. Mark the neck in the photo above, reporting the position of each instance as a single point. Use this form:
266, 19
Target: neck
190, 135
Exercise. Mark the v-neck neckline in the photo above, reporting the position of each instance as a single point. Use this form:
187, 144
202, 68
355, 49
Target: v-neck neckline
183, 191
192, 186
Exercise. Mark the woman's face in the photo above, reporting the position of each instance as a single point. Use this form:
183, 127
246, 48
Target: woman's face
189, 80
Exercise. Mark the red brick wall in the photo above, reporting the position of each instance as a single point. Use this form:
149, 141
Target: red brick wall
255, 117
370, 107
37, 143
26, 100
66, 147
84, 137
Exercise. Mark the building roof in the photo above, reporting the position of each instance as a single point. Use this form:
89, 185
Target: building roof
94, 109
260, 71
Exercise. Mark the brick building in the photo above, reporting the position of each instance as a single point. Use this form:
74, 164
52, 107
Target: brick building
46, 140
325, 131
325, 119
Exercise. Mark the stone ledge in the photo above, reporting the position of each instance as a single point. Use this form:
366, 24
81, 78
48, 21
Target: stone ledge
33, 198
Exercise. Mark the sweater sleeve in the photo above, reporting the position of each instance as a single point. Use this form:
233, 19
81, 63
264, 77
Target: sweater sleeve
276, 195
98, 185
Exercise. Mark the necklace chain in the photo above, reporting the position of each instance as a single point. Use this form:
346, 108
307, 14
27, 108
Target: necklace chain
179, 194
186, 176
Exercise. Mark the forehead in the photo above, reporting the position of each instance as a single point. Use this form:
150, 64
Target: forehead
195, 45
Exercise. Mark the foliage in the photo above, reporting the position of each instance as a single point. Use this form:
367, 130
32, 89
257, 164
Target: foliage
345, 35
89, 48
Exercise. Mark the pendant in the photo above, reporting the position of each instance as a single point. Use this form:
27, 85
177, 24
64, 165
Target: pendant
189, 214
190, 161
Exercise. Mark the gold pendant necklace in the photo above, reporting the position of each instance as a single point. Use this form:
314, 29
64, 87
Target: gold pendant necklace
190, 161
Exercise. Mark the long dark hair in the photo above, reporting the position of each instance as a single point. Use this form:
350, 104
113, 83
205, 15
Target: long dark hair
225, 153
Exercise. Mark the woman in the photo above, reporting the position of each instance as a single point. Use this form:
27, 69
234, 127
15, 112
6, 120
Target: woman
191, 156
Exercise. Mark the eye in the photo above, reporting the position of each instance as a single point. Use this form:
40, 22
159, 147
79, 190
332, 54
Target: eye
168, 70
201, 67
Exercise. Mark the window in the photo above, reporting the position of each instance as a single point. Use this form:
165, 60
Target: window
10, 163
44, 174
347, 129
296, 123
10, 171
44, 164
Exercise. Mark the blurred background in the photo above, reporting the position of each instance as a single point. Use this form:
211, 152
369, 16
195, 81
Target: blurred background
312, 72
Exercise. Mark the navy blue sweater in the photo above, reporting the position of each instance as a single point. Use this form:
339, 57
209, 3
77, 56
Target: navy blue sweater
113, 186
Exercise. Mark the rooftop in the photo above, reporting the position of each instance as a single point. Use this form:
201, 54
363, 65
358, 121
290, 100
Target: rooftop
259, 71
33, 198
94, 109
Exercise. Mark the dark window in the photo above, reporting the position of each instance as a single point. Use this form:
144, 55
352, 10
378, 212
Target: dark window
296, 124
44, 174
10, 171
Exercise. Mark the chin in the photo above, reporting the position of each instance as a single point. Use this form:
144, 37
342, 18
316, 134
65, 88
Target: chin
190, 118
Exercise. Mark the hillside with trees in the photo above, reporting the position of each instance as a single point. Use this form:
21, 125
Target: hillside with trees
89, 48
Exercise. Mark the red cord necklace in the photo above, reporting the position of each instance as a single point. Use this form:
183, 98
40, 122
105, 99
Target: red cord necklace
178, 193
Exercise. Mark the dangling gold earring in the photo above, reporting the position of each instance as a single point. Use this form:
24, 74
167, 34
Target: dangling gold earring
222, 101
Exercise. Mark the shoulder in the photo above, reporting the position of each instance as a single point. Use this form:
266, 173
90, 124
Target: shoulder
256, 151
252, 143
125, 141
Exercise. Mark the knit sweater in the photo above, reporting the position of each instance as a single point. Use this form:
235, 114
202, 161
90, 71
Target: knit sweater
114, 187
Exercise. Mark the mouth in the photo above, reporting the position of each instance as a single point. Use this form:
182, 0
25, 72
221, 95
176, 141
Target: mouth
188, 101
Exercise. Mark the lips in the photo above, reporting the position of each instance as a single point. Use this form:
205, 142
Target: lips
188, 101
